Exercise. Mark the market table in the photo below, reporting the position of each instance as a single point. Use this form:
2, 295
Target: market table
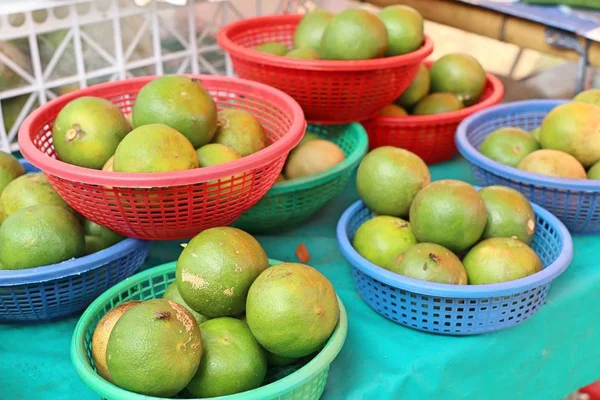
546, 358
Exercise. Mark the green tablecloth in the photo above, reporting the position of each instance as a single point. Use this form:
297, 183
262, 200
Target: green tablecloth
546, 358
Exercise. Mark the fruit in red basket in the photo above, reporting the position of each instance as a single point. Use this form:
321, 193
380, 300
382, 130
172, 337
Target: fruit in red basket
460, 74
108, 166
536, 133
508, 145
593, 173
154, 349
179, 102
274, 48
305, 53
29, 190
88, 130
553, 163
438, 103
498, 260
292, 309
417, 89
449, 213
215, 154
354, 34
108, 236
40, 235
216, 268
155, 148
172, 293
575, 129
429, 262
405, 29
2, 215
388, 179
382, 238
241, 131
10, 169
393, 110
509, 214
312, 158
233, 360
591, 96
311, 27
102, 333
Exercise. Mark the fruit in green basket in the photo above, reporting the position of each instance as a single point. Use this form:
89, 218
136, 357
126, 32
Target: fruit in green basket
102, 333
273, 360
233, 360
29, 190
311, 27
449, 213
292, 309
280, 178
155, 148
438, 103
305, 53
575, 129
10, 169
179, 102
109, 237
308, 136
274, 48
388, 179
508, 145
536, 133
593, 173
172, 293
417, 89
460, 74
553, 163
509, 214
429, 262
40, 235
215, 154
354, 34
393, 110
241, 131
382, 238
312, 158
216, 268
405, 27
88, 130
498, 260
591, 96
154, 349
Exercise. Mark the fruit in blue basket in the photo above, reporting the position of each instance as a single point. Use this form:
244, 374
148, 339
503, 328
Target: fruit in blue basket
292, 309
40, 235
216, 268
405, 27
154, 348
312, 158
274, 48
389, 178
172, 293
553, 163
311, 27
593, 172
591, 96
393, 110
381, 238
305, 53
215, 154
155, 148
449, 213
429, 262
233, 360
460, 74
179, 102
438, 103
509, 214
102, 333
10, 169
354, 34
508, 145
417, 89
94, 244
536, 133
106, 235
88, 130
498, 260
29, 190
575, 129
241, 131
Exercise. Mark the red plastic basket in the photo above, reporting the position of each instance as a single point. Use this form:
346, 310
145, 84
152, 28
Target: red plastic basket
328, 91
172, 205
431, 137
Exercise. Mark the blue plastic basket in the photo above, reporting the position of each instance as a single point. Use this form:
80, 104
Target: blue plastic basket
57, 290
575, 202
452, 309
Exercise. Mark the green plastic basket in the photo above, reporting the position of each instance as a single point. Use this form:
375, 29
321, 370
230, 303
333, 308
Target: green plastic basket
292, 202
304, 381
